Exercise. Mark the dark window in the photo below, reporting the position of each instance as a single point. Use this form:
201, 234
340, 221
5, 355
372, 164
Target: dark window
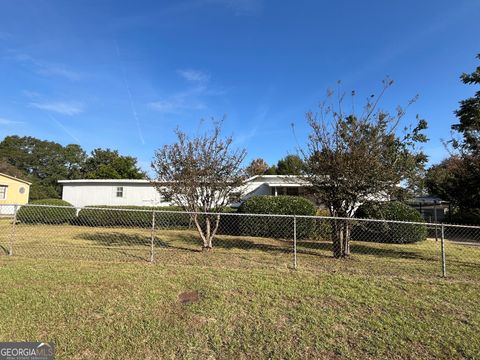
292, 191
3, 192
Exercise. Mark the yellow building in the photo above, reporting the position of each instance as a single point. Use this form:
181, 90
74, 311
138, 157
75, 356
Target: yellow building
13, 190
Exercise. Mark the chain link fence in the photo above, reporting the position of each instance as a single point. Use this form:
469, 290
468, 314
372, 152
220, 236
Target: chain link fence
376, 247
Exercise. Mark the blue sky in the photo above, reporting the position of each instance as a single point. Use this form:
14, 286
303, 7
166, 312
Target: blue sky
123, 74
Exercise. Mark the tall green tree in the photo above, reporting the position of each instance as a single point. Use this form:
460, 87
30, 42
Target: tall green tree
257, 167
42, 162
45, 162
9, 169
469, 116
272, 170
290, 165
109, 164
457, 178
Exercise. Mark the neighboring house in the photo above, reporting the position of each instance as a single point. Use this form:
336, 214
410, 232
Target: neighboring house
12, 191
433, 209
141, 192
274, 185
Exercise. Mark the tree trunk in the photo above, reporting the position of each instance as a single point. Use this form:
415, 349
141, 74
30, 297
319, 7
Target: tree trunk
200, 231
208, 234
337, 239
215, 228
341, 239
346, 239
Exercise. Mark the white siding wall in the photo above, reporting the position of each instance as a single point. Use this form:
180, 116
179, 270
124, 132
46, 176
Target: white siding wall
141, 193
106, 194
255, 189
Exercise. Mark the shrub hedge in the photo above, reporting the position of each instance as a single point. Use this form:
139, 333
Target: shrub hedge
466, 216
276, 227
323, 227
166, 217
120, 216
46, 215
387, 232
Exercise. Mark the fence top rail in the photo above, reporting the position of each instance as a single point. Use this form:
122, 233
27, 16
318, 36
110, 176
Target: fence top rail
159, 211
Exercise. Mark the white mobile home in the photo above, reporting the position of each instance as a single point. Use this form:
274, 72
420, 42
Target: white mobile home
115, 192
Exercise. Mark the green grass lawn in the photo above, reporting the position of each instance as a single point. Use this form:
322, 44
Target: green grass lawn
92, 292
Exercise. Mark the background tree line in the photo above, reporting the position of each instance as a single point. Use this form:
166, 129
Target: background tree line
289, 165
457, 178
45, 162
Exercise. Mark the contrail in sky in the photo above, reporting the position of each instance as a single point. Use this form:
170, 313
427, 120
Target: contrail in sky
130, 98
69, 133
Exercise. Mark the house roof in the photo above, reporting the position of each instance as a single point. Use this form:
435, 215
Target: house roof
280, 180
105, 181
270, 180
427, 200
16, 179
296, 184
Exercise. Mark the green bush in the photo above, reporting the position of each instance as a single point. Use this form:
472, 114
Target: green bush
276, 227
389, 232
132, 216
323, 227
466, 216
47, 215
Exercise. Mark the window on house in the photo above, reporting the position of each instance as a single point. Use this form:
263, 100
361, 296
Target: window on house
292, 191
3, 192
120, 191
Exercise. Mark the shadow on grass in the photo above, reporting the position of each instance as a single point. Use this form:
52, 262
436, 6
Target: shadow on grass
112, 239
192, 243
238, 243
363, 248
3, 250
185, 242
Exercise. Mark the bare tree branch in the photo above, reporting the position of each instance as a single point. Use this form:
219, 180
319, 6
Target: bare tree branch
199, 174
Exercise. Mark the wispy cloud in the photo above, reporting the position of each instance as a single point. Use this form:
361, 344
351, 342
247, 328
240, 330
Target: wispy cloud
5, 121
31, 94
177, 103
46, 68
194, 75
193, 98
59, 70
64, 108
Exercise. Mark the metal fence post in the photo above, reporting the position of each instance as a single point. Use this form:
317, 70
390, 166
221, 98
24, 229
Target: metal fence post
12, 233
444, 265
295, 242
152, 238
